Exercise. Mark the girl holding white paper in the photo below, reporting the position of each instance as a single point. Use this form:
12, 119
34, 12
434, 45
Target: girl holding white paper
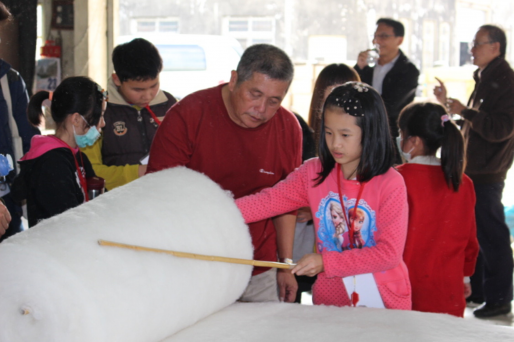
354, 170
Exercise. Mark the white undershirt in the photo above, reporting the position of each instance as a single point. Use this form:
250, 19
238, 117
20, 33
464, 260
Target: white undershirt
379, 73
425, 160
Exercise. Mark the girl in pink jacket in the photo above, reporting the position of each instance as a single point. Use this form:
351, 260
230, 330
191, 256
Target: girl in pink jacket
364, 266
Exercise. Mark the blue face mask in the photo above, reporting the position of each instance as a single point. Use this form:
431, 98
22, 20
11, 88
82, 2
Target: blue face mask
87, 139
6, 165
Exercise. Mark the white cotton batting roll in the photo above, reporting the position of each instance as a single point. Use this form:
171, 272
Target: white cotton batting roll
58, 284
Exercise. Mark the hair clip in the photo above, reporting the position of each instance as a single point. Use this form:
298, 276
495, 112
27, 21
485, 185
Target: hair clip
350, 104
360, 87
445, 118
102, 91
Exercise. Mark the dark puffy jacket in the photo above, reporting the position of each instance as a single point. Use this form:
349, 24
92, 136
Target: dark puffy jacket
489, 125
128, 132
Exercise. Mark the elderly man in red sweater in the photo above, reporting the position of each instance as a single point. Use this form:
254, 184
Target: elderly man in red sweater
239, 135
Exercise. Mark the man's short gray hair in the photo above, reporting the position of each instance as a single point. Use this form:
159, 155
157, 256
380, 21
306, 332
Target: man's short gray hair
265, 59
496, 35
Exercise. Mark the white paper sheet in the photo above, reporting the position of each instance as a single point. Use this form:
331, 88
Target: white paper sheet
367, 289
144, 160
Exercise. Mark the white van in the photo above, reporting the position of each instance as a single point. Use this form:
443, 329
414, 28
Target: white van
193, 62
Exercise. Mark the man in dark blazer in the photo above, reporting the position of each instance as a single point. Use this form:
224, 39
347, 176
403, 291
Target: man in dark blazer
393, 76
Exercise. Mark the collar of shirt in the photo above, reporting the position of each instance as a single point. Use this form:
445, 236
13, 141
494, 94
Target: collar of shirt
426, 160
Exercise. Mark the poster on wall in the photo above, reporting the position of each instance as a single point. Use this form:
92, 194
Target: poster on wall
48, 74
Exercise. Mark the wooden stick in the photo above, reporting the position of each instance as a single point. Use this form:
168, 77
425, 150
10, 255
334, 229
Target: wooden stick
200, 256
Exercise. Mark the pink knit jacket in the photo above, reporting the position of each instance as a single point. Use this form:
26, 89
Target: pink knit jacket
382, 217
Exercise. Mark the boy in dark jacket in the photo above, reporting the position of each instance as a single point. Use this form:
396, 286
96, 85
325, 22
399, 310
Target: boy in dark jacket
136, 106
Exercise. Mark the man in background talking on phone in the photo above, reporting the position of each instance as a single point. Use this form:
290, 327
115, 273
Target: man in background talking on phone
392, 74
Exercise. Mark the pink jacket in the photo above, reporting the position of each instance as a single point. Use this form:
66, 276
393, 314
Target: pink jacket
384, 214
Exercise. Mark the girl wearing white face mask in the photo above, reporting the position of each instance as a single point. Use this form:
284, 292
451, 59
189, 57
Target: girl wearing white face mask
54, 171
441, 246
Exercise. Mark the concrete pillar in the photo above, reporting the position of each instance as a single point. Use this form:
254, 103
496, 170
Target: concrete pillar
113, 11
289, 19
90, 39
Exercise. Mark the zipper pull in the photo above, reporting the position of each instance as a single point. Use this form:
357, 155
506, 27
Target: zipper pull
139, 117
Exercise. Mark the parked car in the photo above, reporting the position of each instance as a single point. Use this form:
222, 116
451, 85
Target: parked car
193, 62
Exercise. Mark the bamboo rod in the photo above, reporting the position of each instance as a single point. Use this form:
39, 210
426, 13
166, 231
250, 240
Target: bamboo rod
199, 256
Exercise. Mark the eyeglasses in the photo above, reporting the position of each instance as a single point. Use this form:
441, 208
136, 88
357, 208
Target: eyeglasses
474, 44
382, 36
88, 126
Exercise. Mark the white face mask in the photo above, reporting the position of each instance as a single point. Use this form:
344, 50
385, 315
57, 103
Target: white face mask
406, 156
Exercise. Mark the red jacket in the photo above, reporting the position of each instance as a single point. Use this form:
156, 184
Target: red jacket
441, 245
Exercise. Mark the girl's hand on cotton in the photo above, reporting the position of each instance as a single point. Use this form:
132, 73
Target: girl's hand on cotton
309, 265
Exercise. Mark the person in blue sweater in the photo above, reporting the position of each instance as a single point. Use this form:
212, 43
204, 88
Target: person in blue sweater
19, 99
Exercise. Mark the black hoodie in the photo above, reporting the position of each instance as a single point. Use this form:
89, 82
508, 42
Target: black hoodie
48, 178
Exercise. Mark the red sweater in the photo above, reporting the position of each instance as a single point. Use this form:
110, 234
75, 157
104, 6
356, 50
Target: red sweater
441, 245
198, 133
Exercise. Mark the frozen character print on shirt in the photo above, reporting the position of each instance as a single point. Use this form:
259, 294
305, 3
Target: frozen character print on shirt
357, 217
340, 228
333, 232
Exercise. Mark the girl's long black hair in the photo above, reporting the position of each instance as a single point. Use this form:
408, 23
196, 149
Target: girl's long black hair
332, 74
424, 120
73, 95
377, 145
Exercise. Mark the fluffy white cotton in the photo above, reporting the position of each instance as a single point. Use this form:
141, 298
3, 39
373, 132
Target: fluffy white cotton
71, 289
270, 322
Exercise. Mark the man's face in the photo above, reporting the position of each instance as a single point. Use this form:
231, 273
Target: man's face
139, 93
386, 40
483, 50
256, 100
